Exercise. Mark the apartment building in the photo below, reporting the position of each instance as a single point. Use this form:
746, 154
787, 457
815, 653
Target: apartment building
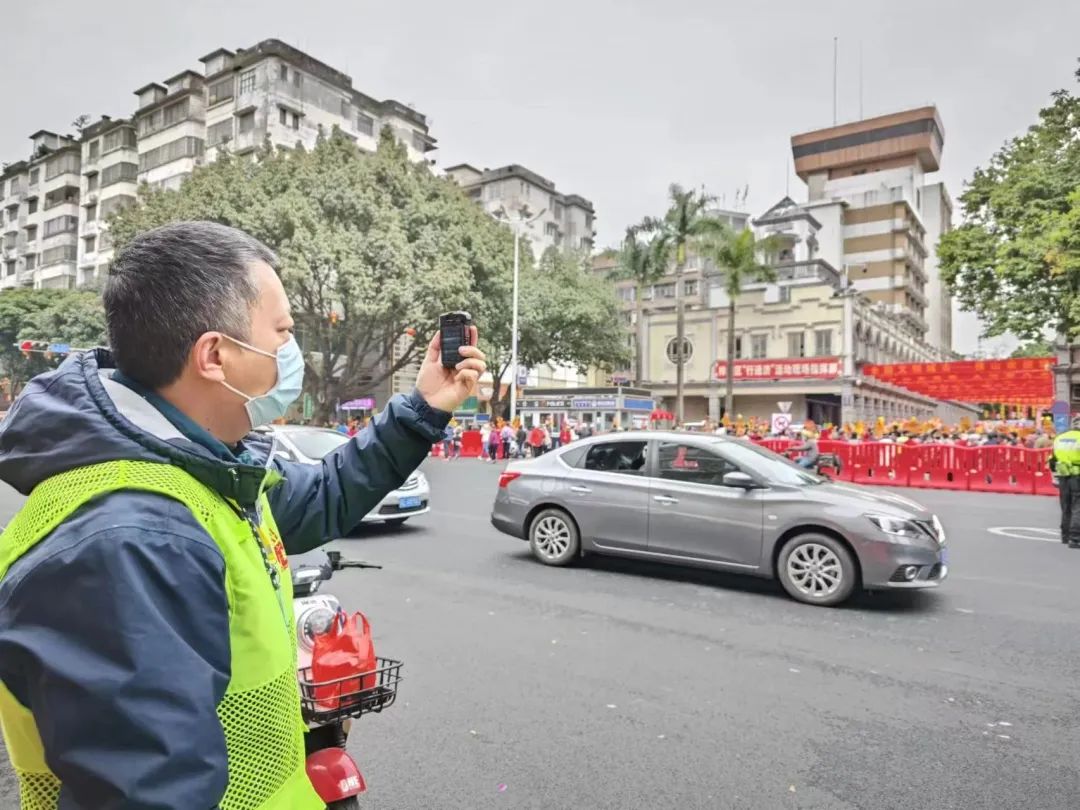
110, 164
275, 91
564, 221
867, 184
40, 200
55, 203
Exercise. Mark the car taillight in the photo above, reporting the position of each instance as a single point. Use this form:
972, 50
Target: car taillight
506, 477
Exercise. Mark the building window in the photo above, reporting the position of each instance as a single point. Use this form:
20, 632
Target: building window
796, 344
31, 206
738, 348
551, 229
283, 116
220, 91
125, 136
219, 133
10, 268
665, 290
35, 174
114, 204
56, 255
31, 233
365, 123
59, 225
297, 79
95, 148
92, 182
89, 244
690, 287
419, 142
346, 109
245, 123
759, 347
175, 113
672, 347
295, 121
247, 82
67, 163
121, 172
31, 261
785, 294
823, 342
174, 150
283, 72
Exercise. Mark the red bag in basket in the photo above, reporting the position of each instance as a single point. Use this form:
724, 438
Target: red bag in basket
344, 649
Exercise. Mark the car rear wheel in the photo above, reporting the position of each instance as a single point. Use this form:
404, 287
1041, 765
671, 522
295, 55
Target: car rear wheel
553, 537
817, 569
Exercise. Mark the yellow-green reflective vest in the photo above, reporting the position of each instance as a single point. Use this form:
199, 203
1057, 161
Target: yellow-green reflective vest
1067, 453
260, 712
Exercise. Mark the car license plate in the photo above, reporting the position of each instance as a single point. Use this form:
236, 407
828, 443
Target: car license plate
411, 502
944, 555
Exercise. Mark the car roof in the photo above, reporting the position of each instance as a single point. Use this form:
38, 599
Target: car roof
661, 435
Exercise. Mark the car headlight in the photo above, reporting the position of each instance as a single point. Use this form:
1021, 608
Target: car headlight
897, 527
940, 529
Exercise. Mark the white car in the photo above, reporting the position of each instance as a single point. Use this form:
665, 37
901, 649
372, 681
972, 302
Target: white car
308, 445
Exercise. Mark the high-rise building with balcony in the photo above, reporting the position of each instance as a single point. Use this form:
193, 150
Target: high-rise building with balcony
40, 201
867, 187
110, 164
565, 221
171, 125
272, 90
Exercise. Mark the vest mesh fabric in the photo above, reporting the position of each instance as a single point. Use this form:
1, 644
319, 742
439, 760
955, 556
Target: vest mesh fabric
262, 726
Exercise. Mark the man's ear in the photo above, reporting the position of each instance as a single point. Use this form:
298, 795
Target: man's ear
206, 356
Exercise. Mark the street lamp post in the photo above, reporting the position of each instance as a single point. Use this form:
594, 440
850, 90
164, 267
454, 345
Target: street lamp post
523, 219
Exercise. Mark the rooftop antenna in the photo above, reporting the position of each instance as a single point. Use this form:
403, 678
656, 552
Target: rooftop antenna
860, 81
835, 48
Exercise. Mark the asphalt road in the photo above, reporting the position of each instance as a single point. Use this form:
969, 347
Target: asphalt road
619, 684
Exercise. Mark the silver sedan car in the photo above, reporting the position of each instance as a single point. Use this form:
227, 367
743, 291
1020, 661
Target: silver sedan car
712, 502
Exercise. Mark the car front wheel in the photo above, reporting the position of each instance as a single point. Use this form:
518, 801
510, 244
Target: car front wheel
817, 569
553, 537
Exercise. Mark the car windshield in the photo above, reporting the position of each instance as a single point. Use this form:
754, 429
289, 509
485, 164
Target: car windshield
766, 465
316, 443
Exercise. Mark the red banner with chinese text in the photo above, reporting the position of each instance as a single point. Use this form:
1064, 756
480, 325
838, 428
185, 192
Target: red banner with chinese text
822, 368
1014, 381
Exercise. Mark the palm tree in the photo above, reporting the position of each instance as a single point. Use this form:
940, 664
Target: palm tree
640, 263
735, 254
685, 222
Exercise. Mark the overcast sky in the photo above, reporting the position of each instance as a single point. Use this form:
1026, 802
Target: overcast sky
610, 100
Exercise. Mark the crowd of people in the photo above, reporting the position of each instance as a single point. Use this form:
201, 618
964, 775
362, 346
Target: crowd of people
502, 440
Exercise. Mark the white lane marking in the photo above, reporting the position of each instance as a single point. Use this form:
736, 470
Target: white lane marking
1026, 533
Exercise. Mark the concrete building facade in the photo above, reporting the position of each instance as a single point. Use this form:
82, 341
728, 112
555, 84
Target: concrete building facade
110, 167
565, 221
870, 176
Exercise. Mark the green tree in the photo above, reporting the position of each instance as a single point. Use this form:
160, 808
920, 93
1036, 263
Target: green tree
1015, 259
567, 315
372, 249
686, 221
74, 317
1034, 348
736, 255
640, 263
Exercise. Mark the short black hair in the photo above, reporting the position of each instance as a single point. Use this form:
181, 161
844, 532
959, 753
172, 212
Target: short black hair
169, 286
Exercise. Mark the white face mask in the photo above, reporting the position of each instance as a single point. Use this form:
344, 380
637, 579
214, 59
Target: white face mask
263, 409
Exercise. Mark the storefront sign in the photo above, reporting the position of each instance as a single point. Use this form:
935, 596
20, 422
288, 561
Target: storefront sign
636, 404
592, 404
362, 404
823, 368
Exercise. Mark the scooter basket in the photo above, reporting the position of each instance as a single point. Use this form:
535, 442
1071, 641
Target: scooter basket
326, 701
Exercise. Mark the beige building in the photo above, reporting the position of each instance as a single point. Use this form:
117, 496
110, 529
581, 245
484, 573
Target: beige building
800, 340
867, 184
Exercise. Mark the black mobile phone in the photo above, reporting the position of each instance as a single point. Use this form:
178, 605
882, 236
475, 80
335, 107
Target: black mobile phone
455, 332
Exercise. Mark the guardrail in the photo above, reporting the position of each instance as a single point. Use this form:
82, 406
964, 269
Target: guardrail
988, 468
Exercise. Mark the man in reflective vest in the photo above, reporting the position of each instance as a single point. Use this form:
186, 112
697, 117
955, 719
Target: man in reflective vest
146, 631
1065, 464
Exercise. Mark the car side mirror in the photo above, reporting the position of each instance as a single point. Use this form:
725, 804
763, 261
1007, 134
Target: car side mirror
739, 479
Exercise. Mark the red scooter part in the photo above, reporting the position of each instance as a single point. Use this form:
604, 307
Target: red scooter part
334, 775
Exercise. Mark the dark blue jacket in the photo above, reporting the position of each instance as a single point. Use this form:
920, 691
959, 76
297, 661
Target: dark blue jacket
114, 628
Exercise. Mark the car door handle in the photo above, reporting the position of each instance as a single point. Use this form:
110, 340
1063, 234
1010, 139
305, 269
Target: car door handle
582, 490
666, 499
